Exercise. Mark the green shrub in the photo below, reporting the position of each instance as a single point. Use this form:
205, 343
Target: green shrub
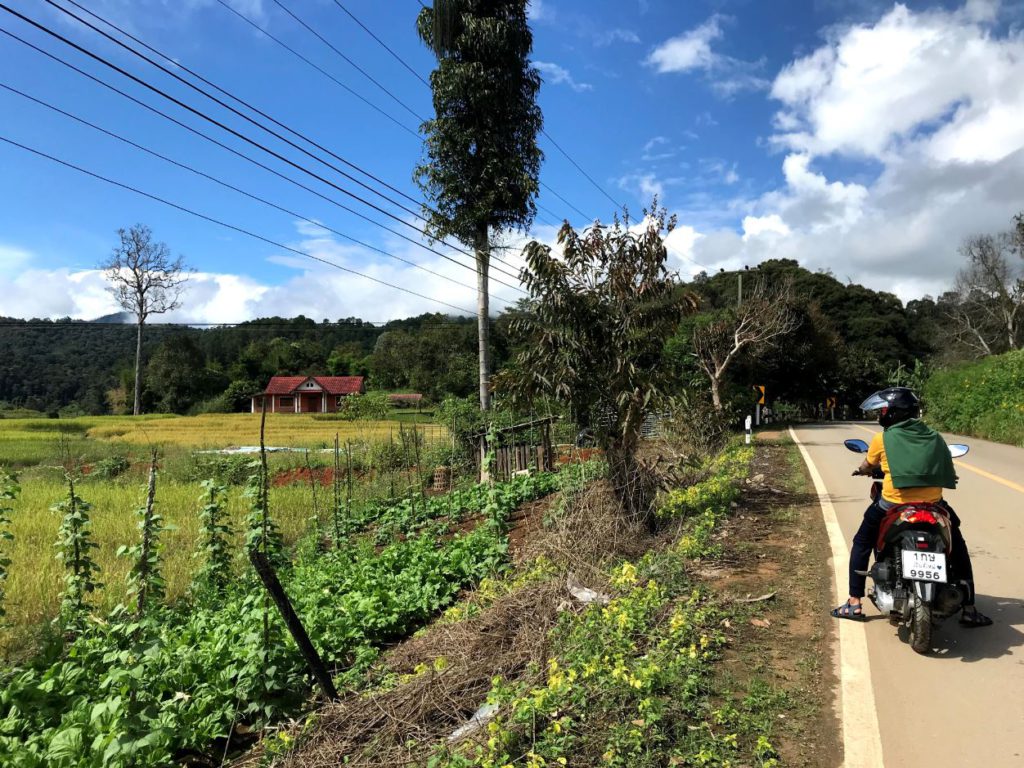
984, 399
109, 468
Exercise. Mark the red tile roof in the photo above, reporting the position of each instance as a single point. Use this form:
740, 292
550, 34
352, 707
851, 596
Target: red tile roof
332, 385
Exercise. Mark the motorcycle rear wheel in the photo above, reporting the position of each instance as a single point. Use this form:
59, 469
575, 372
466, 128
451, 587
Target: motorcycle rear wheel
920, 626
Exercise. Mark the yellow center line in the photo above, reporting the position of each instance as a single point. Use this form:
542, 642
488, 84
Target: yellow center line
970, 468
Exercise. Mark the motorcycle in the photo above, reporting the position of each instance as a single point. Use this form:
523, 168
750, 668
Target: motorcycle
913, 583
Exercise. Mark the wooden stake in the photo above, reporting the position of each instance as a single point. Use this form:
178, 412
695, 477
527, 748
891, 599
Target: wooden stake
298, 632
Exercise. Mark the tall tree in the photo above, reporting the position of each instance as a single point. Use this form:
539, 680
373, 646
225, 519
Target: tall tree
482, 160
988, 313
763, 318
146, 281
595, 333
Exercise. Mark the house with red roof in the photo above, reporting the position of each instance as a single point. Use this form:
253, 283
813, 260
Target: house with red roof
308, 394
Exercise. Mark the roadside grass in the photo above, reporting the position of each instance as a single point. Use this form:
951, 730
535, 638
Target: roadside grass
983, 398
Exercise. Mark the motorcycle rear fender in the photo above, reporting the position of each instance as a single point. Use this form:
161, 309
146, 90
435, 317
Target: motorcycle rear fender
925, 590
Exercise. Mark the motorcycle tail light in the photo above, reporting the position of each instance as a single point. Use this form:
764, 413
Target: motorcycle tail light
922, 545
921, 516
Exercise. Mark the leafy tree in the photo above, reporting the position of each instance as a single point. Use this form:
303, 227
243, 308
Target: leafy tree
177, 376
146, 281
594, 338
482, 161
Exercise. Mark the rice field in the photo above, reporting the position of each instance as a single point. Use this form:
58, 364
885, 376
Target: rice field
38, 448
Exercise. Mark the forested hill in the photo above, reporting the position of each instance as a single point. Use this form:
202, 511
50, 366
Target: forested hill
848, 341
87, 366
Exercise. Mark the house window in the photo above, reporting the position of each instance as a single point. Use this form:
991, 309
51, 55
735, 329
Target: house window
339, 400
286, 401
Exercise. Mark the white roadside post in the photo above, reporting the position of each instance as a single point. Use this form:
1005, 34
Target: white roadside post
748, 428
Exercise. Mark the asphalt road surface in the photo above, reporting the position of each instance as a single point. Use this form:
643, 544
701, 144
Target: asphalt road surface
963, 705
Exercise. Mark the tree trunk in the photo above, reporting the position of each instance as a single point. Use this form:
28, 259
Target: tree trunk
716, 395
138, 372
483, 257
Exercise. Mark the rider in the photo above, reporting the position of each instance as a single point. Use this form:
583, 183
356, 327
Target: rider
920, 468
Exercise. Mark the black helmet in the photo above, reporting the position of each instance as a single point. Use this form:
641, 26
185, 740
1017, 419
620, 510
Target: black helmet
894, 405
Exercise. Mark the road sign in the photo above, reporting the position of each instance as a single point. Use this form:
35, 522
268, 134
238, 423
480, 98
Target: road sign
830, 402
759, 393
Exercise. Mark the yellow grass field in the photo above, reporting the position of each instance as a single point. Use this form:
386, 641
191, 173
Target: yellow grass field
35, 448
34, 584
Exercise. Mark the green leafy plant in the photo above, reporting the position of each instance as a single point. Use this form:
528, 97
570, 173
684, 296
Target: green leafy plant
214, 543
145, 579
8, 493
74, 546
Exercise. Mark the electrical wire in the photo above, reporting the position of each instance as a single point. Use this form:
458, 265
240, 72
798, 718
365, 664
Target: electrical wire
247, 118
243, 156
338, 51
226, 225
317, 67
178, 65
384, 45
191, 169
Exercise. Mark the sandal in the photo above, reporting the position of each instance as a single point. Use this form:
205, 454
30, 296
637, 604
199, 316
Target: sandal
974, 619
849, 611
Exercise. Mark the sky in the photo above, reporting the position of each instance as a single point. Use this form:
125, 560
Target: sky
863, 138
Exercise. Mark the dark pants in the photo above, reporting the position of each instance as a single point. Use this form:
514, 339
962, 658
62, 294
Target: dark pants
867, 536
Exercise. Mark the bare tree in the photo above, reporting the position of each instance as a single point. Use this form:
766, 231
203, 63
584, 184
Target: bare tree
988, 312
761, 320
146, 281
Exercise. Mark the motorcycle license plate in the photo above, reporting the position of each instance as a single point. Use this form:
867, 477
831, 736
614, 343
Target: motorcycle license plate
924, 566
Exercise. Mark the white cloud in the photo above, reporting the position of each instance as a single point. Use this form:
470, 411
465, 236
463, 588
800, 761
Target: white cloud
691, 52
877, 87
557, 75
537, 10
313, 288
932, 101
755, 226
688, 51
617, 35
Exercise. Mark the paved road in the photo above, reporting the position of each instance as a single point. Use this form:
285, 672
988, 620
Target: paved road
964, 704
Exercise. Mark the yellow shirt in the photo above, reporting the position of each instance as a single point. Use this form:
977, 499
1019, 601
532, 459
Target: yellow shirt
876, 457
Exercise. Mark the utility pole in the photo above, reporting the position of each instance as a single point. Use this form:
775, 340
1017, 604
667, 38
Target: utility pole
739, 289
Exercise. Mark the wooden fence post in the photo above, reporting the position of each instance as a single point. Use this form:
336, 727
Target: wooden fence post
291, 620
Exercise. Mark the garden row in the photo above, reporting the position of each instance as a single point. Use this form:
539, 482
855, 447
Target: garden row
154, 681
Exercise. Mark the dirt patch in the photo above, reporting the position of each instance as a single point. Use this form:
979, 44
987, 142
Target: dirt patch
445, 675
776, 543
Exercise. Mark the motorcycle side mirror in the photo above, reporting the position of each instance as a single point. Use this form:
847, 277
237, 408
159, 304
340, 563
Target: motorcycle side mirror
856, 445
956, 450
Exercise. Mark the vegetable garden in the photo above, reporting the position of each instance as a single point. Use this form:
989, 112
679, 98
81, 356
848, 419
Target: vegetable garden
150, 669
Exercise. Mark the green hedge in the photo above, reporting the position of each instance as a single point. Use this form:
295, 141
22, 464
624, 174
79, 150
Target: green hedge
984, 399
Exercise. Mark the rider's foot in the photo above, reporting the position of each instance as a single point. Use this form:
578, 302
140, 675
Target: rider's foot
851, 609
972, 617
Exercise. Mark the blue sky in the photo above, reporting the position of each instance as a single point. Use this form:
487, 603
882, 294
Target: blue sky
865, 138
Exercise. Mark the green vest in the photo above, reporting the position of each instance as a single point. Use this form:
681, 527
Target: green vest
918, 456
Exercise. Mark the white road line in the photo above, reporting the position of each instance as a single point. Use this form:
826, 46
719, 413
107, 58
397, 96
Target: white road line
862, 742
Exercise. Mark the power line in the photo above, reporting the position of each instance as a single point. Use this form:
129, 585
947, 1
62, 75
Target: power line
226, 225
233, 188
338, 51
177, 64
318, 68
224, 127
579, 168
243, 156
386, 47
217, 101
249, 119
